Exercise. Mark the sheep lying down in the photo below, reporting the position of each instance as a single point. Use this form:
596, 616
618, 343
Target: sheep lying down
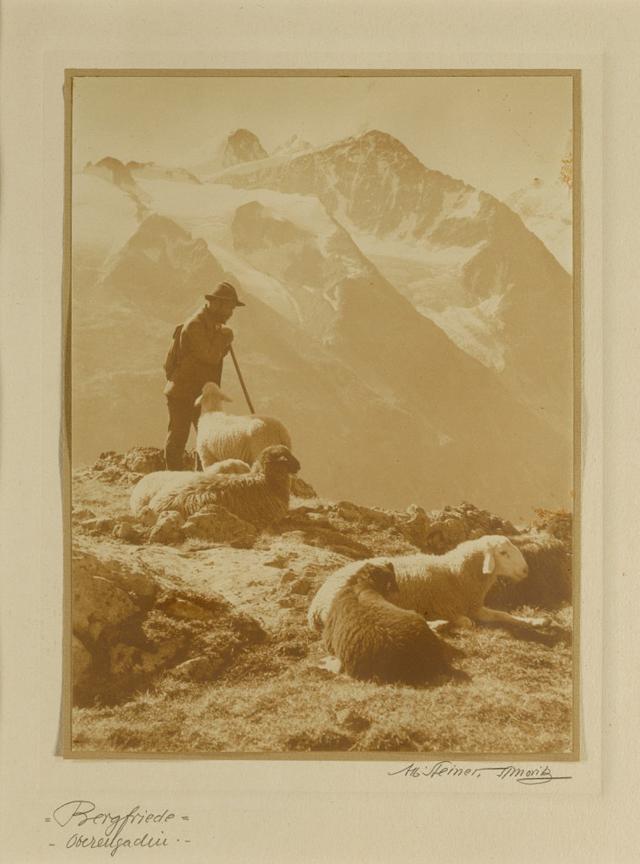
159, 482
373, 639
260, 496
450, 587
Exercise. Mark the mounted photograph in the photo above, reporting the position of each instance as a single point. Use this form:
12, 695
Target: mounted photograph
322, 413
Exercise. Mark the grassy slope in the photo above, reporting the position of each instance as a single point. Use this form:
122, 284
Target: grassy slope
275, 698
517, 701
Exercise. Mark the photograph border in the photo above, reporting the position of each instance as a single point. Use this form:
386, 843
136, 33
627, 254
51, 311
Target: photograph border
66, 749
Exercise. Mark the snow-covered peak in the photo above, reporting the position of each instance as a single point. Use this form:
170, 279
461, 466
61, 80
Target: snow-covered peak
153, 171
546, 210
294, 144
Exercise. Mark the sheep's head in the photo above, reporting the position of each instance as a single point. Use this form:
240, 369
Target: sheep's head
502, 558
211, 398
380, 577
276, 458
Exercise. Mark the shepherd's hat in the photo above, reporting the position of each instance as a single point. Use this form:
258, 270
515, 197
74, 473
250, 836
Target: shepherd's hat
225, 291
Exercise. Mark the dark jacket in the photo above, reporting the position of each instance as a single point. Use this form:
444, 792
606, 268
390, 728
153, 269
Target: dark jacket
202, 349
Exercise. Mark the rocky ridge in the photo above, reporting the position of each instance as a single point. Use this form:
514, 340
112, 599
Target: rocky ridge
190, 598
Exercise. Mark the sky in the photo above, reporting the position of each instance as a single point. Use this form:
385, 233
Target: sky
496, 133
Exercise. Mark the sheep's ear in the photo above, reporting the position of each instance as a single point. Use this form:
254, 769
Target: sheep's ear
489, 563
198, 401
225, 398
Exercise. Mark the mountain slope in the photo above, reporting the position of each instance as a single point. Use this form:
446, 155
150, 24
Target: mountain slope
460, 256
546, 210
382, 406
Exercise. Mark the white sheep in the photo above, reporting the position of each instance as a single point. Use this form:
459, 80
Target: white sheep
230, 436
449, 587
159, 483
228, 466
453, 586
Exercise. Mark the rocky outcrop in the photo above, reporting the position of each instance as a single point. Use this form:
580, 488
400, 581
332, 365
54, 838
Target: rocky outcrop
549, 583
372, 530
242, 146
132, 626
217, 525
127, 469
114, 170
441, 530
168, 528
558, 523
211, 526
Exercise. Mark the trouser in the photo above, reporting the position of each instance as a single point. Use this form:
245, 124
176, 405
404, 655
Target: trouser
182, 414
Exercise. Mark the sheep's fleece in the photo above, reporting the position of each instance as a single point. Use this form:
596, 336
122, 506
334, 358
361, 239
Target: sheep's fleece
229, 436
162, 482
438, 586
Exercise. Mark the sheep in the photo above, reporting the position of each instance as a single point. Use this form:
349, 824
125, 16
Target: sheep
453, 586
321, 603
449, 587
260, 497
159, 482
373, 639
224, 436
228, 466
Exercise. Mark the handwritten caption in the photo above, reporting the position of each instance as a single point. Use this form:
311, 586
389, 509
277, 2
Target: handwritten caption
85, 826
526, 776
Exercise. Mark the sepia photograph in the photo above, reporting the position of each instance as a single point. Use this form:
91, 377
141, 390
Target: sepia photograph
322, 431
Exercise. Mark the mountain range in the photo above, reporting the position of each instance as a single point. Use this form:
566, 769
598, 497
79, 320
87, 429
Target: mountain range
411, 332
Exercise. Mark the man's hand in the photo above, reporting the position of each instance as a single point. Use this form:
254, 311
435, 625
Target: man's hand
227, 335
226, 338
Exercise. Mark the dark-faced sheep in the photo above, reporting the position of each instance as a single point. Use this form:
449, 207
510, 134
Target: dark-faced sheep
230, 436
160, 482
373, 639
321, 603
260, 497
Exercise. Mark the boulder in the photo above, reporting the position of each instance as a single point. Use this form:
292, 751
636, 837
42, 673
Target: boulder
82, 514
135, 579
168, 528
301, 585
416, 527
99, 525
80, 657
548, 583
558, 523
147, 517
98, 604
125, 531
144, 460
216, 525
129, 640
366, 515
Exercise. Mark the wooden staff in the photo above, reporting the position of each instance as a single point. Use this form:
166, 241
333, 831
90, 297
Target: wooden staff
241, 379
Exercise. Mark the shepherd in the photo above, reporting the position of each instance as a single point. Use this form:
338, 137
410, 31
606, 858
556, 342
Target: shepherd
196, 355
